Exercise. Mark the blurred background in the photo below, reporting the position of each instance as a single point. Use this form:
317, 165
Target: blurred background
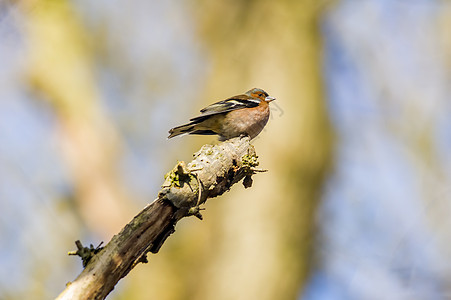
356, 202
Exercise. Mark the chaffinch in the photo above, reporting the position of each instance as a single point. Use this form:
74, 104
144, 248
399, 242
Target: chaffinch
245, 114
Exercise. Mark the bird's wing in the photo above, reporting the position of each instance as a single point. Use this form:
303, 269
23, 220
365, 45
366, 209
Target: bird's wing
233, 103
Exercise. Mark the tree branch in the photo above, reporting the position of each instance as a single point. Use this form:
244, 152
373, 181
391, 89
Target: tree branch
212, 172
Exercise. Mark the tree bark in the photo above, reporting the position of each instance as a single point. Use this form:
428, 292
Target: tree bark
212, 172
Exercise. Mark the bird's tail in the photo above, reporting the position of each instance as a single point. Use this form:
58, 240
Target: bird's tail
187, 128
194, 127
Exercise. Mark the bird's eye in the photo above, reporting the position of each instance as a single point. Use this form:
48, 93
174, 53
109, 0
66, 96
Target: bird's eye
260, 95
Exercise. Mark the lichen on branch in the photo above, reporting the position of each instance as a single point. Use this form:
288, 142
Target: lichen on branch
214, 169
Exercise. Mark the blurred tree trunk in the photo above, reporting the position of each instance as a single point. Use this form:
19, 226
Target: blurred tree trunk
274, 45
61, 72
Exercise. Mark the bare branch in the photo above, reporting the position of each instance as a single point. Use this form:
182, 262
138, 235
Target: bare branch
212, 172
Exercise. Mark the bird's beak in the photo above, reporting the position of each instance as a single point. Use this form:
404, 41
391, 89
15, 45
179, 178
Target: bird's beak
269, 99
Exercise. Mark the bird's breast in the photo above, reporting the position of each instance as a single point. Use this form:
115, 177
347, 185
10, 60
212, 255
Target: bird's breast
250, 121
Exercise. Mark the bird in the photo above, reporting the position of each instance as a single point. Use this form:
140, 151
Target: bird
241, 115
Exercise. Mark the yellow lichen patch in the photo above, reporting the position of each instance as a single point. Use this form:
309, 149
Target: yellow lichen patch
178, 175
250, 160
